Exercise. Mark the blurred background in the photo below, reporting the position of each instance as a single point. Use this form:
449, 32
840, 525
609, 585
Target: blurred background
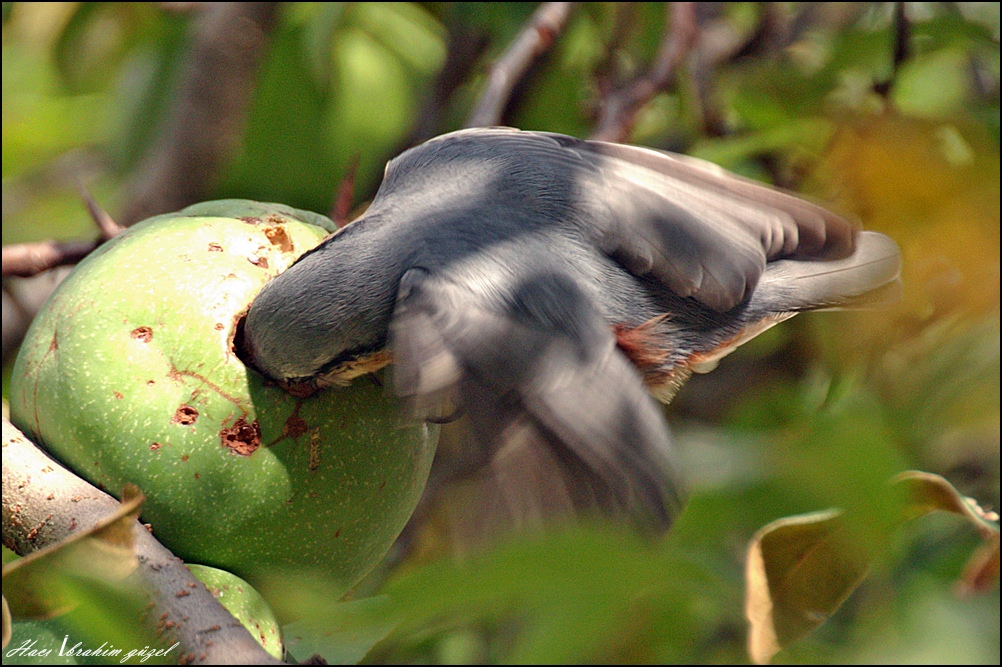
885, 112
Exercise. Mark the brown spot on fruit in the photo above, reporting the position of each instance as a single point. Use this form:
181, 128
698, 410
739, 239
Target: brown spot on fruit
155, 446
242, 438
150, 383
185, 415
260, 262
294, 427
215, 247
279, 237
218, 326
184, 457
143, 334
119, 395
251, 220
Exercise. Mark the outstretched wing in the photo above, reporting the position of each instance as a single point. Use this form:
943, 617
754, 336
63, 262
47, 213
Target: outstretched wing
562, 413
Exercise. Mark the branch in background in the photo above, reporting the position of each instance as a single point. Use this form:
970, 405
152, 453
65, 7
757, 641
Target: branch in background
902, 34
536, 38
618, 111
606, 72
30, 259
466, 44
205, 121
719, 41
43, 503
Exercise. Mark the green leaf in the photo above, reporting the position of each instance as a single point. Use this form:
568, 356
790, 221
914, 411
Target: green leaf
339, 637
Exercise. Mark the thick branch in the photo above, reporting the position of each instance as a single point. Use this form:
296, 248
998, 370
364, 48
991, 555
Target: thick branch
618, 111
205, 122
540, 32
44, 503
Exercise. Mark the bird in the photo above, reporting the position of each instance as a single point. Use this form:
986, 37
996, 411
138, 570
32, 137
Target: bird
553, 290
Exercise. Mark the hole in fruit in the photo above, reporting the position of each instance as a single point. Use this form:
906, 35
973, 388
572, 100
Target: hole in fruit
215, 247
144, 334
242, 438
238, 345
260, 262
184, 415
279, 237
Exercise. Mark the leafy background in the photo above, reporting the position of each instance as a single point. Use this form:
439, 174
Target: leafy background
819, 412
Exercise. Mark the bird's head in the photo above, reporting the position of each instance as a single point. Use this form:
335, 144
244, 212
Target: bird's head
321, 323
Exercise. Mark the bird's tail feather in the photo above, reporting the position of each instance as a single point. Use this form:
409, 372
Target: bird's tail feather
867, 278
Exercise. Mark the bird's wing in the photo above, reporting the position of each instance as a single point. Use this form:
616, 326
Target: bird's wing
562, 413
698, 229
703, 231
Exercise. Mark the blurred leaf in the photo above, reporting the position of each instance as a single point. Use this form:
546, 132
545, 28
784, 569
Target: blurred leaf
40, 585
320, 22
800, 569
339, 637
933, 86
926, 492
572, 594
799, 572
982, 569
8, 622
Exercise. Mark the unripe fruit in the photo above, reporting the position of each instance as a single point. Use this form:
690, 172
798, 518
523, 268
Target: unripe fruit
129, 374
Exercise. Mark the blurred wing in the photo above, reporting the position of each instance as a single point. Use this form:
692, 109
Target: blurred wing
703, 231
563, 414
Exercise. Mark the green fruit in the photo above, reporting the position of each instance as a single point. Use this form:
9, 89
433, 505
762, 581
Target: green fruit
128, 374
246, 605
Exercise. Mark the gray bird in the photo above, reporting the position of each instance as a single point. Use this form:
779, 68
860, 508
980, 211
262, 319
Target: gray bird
540, 282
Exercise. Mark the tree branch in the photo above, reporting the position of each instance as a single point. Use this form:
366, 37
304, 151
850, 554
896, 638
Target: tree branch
466, 44
618, 111
536, 38
205, 121
44, 503
30, 259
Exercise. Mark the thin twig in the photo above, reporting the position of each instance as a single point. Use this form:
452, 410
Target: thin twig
619, 110
341, 210
902, 35
29, 259
540, 32
105, 223
43, 503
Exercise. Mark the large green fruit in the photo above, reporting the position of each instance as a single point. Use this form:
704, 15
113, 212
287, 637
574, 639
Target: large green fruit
129, 375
